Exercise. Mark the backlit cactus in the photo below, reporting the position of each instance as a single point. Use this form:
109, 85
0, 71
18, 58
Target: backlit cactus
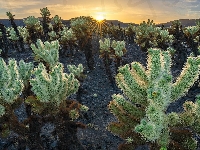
53, 87
25, 71
24, 33
67, 35
47, 52
11, 84
31, 21
114, 48
142, 112
12, 34
53, 36
148, 35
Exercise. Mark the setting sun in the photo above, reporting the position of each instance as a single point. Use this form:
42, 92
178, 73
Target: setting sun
100, 16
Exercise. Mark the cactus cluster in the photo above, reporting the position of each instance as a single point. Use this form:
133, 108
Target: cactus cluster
114, 48
148, 35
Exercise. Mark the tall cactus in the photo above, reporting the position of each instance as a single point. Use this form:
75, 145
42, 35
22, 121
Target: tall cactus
142, 112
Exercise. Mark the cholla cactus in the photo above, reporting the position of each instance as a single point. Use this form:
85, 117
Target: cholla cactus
10, 15
142, 116
47, 52
31, 21
24, 33
45, 12
105, 45
148, 35
82, 26
12, 34
114, 48
53, 35
75, 70
11, 84
67, 35
54, 87
119, 47
57, 20
130, 32
25, 71
191, 30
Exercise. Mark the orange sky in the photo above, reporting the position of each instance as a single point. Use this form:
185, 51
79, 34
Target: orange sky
124, 10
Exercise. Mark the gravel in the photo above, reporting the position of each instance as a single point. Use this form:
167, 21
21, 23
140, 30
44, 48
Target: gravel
96, 136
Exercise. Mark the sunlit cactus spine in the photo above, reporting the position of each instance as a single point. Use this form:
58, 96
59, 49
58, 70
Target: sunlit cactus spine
147, 94
47, 52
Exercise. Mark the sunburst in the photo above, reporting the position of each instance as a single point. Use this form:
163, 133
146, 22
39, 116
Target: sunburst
100, 23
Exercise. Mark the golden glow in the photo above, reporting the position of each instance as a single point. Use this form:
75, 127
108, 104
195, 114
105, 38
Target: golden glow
99, 16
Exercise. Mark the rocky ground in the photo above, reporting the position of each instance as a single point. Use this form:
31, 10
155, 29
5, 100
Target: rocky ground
96, 136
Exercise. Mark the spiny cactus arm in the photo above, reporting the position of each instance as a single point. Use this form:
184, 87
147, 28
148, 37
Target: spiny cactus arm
154, 126
128, 107
139, 73
191, 30
10, 15
67, 35
72, 84
25, 71
24, 33
47, 51
75, 70
13, 36
40, 83
105, 45
127, 82
10, 84
119, 47
125, 112
187, 78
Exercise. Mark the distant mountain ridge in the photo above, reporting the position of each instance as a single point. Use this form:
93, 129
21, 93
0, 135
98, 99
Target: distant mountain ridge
184, 22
